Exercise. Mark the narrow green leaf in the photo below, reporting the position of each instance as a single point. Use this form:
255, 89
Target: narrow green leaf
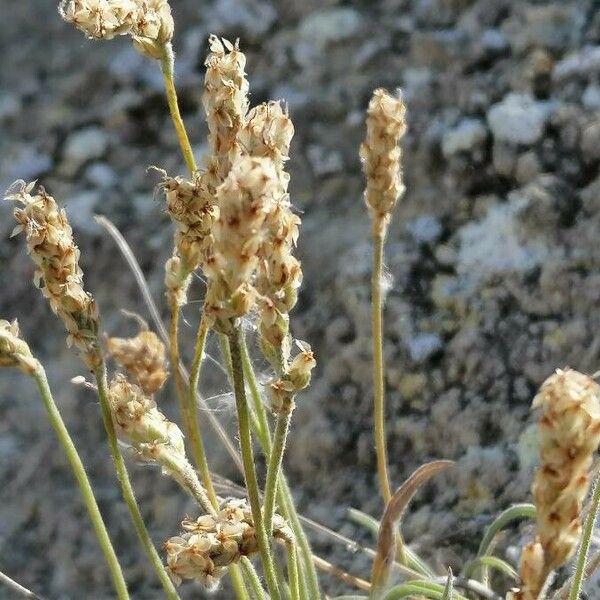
493, 562
449, 589
514, 513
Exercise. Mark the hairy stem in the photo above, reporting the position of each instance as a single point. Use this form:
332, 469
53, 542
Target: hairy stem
126, 488
167, 64
84, 484
274, 467
284, 494
249, 467
257, 403
252, 578
293, 577
378, 366
586, 539
194, 432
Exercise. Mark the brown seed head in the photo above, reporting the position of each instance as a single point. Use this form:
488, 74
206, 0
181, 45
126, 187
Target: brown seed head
14, 351
209, 544
380, 154
569, 429
143, 357
50, 245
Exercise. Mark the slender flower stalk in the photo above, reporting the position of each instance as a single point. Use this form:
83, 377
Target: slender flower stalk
293, 576
381, 155
195, 433
249, 465
167, 62
14, 351
309, 582
126, 487
283, 391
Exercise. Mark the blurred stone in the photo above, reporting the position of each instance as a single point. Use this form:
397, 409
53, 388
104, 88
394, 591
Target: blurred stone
467, 135
82, 146
519, 119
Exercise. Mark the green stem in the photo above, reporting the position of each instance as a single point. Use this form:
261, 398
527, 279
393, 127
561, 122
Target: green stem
284, 496
274, 467
378, 366
293, 577
586, 538
128, 495
84, 484
167, 66
252, 578
258, 405
194, 431
249, 468
237, 582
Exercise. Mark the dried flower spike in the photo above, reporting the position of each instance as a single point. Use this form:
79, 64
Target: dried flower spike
245, 199
14, 351
50, 245
193, 211
380, 155
569, 436
209, 544
153, 436
225, 101
283, 390
143, 357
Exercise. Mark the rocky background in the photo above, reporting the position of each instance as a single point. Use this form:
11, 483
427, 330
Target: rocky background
493, 257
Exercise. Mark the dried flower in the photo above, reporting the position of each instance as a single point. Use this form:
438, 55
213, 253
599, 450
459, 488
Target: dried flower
14, 351
149, 22
100, 18
50, 245
245, 199
153, 27
143, 357
151, 434
210, 544
283, 389
381, 155
267, 132
225, 101
193, 211
569, 436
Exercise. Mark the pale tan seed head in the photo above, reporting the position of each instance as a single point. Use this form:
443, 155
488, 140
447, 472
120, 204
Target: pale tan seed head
101, 19
143, 357
381, 154
225, 101
210, 544
14, 351
50, 244
569, 434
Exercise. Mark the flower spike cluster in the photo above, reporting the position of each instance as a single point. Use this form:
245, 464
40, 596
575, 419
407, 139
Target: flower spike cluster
14, 351
50, 244
209, 544
143, 357
245, 199
380, 154
569, 436
148, 22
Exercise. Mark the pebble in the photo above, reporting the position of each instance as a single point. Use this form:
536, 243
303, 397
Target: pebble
83, 146
465, 137
519, 119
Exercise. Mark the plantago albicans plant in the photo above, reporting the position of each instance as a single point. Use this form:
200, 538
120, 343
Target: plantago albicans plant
234, 222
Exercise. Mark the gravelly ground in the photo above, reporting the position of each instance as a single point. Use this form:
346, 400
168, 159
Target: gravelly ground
493, 254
